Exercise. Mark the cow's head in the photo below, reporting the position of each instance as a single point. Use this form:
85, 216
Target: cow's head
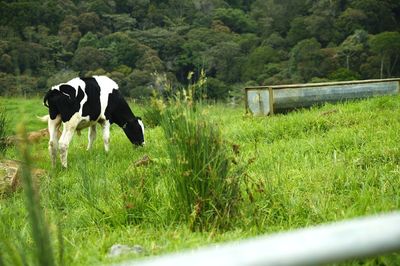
134, 130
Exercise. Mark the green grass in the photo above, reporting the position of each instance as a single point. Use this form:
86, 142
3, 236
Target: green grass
304, 168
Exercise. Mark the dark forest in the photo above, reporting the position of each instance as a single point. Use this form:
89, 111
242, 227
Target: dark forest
150, 45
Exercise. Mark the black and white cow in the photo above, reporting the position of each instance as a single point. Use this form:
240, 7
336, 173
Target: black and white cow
84, 102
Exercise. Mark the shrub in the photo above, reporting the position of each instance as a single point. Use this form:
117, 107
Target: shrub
343, 74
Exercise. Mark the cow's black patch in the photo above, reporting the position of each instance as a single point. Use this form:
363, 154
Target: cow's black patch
118, 110
111, 105
64, 102
69, 91
134, 132
92, 107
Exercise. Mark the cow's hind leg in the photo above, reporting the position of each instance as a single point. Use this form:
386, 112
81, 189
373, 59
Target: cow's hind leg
91, 136
106, 135
53, 125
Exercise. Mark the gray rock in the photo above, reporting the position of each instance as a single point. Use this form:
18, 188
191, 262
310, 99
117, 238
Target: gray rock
118, 249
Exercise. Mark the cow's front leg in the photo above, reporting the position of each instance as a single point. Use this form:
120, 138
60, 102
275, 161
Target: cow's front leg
65, 139
53, 138
106, 135
91, 136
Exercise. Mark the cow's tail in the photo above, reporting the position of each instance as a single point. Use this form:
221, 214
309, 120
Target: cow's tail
44, 118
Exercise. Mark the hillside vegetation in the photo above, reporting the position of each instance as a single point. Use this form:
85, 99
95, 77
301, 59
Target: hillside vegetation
304, 168
141, 43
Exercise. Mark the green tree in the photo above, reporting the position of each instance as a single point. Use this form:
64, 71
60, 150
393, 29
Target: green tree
193, 57
321, 27
88, 58
353, 45
20, 14
89, 22
6, 63
122, 49
387, 46
298, 31
28, 56
351, 20
235, 19
7, 84
305, 59
224, 61
267, 15
138, 84
98, 6
89, 39
167, 42
127, 6
119, 22
138, 10
216, 89
248, 42
275, 16
149, 60
69, 33
257, 61
381, 15
154, 16
342, 74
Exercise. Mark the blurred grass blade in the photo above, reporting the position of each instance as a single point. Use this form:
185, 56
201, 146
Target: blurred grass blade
3, 128
40, 233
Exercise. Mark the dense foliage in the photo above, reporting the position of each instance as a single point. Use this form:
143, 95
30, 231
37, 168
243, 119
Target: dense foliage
237, 42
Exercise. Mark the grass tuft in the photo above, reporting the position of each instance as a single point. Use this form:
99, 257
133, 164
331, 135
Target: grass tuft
204, 188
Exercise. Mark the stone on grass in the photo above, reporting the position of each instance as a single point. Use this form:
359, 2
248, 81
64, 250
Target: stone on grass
119, 249
10, 176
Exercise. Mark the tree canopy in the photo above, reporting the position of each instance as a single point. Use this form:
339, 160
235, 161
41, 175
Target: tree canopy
236, 42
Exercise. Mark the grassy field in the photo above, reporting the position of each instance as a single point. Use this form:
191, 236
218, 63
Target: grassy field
304, 168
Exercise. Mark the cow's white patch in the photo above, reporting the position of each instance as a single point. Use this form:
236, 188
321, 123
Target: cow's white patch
76, 83
142, 126
91, 136
107, 85
66, 137
106, 135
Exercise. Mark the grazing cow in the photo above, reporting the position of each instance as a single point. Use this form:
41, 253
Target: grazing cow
83, 102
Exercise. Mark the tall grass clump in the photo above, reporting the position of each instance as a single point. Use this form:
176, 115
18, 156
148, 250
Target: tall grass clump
204, 189
152, 114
